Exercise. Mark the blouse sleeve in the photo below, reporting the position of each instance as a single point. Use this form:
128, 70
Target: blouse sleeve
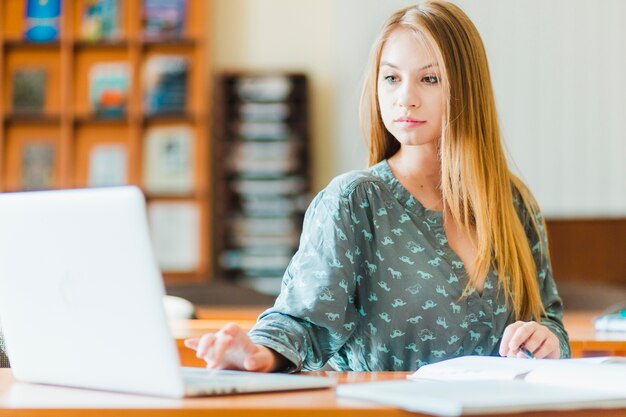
4, 360
552, 302
315, 312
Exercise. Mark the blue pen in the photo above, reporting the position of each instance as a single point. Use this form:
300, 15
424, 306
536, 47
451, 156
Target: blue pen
528, 353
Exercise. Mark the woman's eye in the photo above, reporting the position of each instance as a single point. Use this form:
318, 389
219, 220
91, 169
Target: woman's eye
390, 79
431, 79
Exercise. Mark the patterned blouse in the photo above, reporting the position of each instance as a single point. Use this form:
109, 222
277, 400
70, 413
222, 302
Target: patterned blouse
375, 286
4, 360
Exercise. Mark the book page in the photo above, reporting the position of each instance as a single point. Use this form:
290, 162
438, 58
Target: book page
456, 398
582, 374
605, 374
478, 368
617, 360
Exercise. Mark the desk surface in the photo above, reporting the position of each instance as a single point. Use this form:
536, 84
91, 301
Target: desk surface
20, 400
584, 340
579, 324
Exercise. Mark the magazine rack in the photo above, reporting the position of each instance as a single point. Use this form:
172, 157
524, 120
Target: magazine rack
67, 143
262, 186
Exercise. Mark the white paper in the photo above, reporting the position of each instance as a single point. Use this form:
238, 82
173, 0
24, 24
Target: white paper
477, 368
484, 385
456, 398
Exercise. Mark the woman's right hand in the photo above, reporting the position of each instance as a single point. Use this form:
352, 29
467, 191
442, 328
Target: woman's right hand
231, 348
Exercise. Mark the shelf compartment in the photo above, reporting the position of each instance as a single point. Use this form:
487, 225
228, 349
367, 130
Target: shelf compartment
32, 158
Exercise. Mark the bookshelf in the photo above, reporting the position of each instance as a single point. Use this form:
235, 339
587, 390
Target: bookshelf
262, 185
72, 133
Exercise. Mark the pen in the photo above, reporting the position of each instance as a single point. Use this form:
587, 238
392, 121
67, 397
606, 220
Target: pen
527, 352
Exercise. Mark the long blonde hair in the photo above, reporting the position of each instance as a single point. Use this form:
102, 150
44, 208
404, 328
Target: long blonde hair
476, 183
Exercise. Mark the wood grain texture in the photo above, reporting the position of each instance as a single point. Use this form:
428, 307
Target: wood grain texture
319, 403
588, 250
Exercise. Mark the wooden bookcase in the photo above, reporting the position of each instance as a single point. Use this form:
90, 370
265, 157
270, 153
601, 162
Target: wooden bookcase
262, 184
71, 127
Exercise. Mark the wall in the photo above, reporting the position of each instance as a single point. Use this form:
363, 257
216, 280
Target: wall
557, 69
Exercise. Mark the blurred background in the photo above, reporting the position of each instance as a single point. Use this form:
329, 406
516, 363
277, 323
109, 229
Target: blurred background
265, 114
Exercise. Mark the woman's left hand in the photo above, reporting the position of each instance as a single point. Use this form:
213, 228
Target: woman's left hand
535, 337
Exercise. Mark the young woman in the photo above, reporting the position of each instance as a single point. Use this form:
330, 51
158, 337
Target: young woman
436, 251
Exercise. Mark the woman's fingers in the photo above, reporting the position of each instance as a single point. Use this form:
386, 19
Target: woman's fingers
205, 344
531, 336
228, 348
522, 335
262, 360
216, 357
192, 342
509, 331
550, 348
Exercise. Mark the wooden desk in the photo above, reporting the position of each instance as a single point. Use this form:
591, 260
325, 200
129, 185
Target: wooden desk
584, 340
210, 320
19, 400
29, 400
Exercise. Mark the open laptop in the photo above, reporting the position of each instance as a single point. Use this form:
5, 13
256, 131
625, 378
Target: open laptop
81, 300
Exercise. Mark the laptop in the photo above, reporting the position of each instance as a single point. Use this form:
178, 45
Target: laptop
81, 300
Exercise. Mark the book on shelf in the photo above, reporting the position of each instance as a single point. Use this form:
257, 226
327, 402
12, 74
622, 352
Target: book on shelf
611, 321
288, 185
261, 167
289, 240
273, 205
265, 226
264, 131
42, 20
164, 19
168, 160
108, 165
264, 151
264, 112
37, 165
109, 85
264, 88
165, 84
265, 159
28, 91
274, 263
258, 267
174, 228
100, 20
487, 385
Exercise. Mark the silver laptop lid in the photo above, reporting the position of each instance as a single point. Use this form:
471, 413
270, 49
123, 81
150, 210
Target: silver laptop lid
81, 293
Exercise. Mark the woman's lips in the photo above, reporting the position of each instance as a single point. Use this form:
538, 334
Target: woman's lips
407, 122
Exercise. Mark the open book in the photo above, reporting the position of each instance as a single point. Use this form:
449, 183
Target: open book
485, 384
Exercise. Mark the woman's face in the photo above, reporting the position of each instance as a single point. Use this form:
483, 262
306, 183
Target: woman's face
410, 95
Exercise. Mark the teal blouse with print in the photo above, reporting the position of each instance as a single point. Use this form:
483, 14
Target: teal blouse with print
374, 285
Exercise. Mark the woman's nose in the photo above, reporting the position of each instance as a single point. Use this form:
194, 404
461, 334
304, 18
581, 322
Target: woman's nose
408, 97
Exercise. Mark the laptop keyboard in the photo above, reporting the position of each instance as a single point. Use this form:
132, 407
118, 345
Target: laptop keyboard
201, 381
201, 376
